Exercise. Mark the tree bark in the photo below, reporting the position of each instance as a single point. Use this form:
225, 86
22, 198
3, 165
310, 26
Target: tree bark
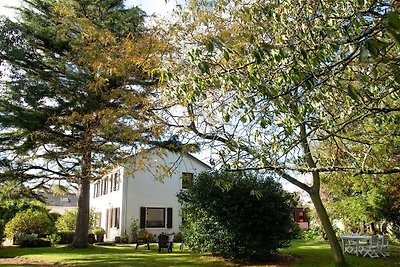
82, 220
327, 225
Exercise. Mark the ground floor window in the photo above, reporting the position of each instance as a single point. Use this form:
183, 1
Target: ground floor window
155, 217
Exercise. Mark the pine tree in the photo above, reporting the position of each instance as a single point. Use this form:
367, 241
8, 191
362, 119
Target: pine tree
78, 92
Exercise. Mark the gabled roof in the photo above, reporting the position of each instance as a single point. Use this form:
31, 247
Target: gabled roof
61, 201
198, 160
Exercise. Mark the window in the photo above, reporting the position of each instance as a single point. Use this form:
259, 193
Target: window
113, 216
186, 178
155, 217
114, 182
105, 187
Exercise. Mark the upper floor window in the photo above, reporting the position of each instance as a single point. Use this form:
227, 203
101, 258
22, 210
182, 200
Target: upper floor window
107, 185
186, 178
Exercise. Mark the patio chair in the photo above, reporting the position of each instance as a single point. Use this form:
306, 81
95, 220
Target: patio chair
372, 248
350, 246
383, 245
165, 241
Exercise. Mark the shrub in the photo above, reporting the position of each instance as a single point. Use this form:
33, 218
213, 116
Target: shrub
2, 225
67, 221
29, 222
31, 240
236, 215
66, 237
145, 236
98, 231
54, 239
134, 228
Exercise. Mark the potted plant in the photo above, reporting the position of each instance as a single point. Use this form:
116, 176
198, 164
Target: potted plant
99, 232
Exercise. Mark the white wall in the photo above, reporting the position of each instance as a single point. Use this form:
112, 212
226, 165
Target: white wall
154, 180
108, 201
151, 179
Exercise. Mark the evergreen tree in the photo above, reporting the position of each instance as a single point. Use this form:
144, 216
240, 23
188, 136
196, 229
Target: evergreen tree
77, 94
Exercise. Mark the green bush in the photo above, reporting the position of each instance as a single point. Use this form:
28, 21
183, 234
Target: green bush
66, 237
2, 225
29, 222
145, 236
31, 240
54, 239
236, 215
67, 221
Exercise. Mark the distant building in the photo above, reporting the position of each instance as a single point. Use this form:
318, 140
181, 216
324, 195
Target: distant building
60, 204
300, 217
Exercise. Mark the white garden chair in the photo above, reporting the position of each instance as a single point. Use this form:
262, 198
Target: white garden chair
383, 245
372, 248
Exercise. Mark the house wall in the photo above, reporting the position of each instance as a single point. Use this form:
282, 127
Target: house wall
112, 199
150, 179
154, 180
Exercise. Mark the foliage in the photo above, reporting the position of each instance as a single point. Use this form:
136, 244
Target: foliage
66, 237
236, 215
145, 235
29, 222
98, 231
31, 240
134, 228
67, 221
266, 81
79, 94
15, 197
55, 239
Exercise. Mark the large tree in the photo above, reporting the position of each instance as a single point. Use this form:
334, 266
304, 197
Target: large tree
270, 80
77, 93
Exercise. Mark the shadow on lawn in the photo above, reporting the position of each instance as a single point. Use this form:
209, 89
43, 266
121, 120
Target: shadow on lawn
113, 256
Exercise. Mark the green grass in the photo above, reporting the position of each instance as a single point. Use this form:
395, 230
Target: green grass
113, 256
310, 254
313, 253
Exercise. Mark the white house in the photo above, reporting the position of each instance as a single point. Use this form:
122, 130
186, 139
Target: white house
145, 188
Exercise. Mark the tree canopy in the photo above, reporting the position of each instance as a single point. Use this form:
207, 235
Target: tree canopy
271, 80
79, 94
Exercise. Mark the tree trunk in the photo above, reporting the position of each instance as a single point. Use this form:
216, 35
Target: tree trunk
82, 220
327, 225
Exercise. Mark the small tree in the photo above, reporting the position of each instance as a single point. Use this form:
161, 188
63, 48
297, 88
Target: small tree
236, 215
29, 222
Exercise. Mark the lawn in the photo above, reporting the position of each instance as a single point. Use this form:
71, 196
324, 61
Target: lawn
309, 254
314, 253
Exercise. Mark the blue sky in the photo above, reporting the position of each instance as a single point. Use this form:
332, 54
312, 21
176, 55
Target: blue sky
158, 7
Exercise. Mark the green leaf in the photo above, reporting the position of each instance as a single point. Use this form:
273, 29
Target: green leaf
257, 57
352, 92
210, 46
363, 54
204, 67
394, 20
361, 2
226, 55
227, 117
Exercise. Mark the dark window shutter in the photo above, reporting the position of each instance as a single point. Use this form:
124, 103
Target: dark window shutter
118, 217
169, 217
142, 217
